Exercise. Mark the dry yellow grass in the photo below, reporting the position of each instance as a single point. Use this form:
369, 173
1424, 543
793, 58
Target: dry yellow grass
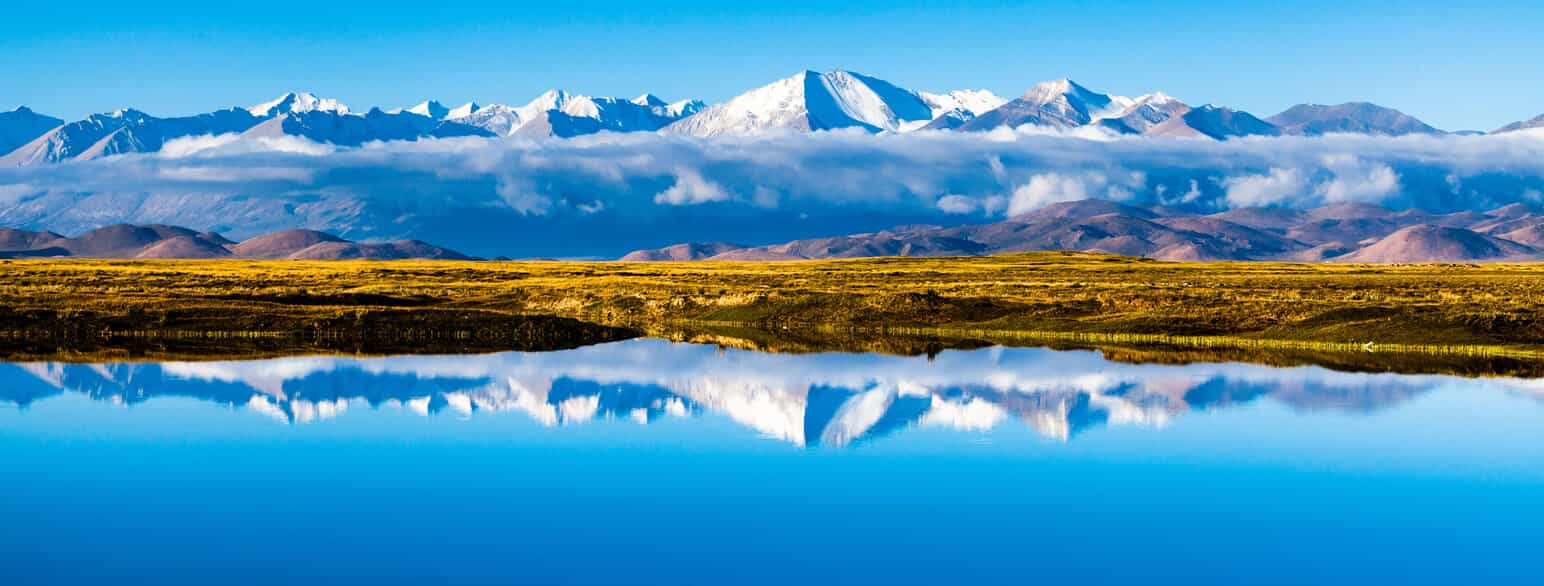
1464, 308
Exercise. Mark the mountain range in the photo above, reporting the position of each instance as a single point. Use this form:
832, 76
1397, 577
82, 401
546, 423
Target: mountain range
28, 138
1344, 232
171, 242
1347, 232
807, 101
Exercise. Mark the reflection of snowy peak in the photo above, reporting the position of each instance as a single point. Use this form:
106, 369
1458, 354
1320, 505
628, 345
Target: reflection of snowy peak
805, 400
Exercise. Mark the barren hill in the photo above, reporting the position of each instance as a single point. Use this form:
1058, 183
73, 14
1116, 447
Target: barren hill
173, 242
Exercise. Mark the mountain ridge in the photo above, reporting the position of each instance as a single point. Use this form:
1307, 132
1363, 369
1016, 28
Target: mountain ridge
161, 241
1333, 233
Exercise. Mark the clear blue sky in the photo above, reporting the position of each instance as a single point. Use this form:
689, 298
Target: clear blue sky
1455, 64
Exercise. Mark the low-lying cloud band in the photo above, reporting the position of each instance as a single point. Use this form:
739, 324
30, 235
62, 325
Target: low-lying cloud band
603, 195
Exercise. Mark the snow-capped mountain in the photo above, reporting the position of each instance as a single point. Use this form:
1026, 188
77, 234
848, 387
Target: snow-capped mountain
499, 119
293, 114
1351, 117
952, 109
463, 110
74, 140
1059, 103
148, 134
1214, 122
22, 125
345, 129
297, 102
561, 114
812, 101
672, 110
1144, 113
430, 109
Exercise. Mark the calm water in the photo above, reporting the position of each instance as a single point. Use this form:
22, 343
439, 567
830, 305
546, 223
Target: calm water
657, 463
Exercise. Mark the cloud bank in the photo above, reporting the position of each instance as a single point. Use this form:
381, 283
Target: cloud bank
603, 195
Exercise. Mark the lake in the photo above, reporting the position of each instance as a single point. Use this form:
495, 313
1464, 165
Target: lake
651, 462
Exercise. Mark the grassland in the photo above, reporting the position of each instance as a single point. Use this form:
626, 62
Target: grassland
1491, 311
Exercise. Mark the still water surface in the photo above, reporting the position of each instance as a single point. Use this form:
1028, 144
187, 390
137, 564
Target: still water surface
657, 463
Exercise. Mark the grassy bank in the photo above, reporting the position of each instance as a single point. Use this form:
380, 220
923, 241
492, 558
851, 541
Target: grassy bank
1478, 310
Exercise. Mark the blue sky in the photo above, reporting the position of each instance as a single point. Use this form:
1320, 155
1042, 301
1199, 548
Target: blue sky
1455, 64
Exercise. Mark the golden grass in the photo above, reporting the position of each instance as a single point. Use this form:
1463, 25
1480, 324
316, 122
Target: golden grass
1490, 310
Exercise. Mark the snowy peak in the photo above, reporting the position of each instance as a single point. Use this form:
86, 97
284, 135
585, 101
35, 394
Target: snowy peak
649, 100
462, 111
1060, 103
868, 100
1143, 113
952, 109
1076, 101
430, 109
779, 104
811, 101
297, 102
548, 101
1063, 91
498, 119
563, 114
973, 102
683, 108
1158, 100
1214, 122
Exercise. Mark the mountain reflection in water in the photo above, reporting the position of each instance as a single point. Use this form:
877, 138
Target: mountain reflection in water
832, 399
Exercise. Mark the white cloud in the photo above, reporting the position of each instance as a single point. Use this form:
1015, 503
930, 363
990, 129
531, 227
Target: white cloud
1277, 187
235, 144
689, 189
642, 185
1355, 180
957, 204
1047, 189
